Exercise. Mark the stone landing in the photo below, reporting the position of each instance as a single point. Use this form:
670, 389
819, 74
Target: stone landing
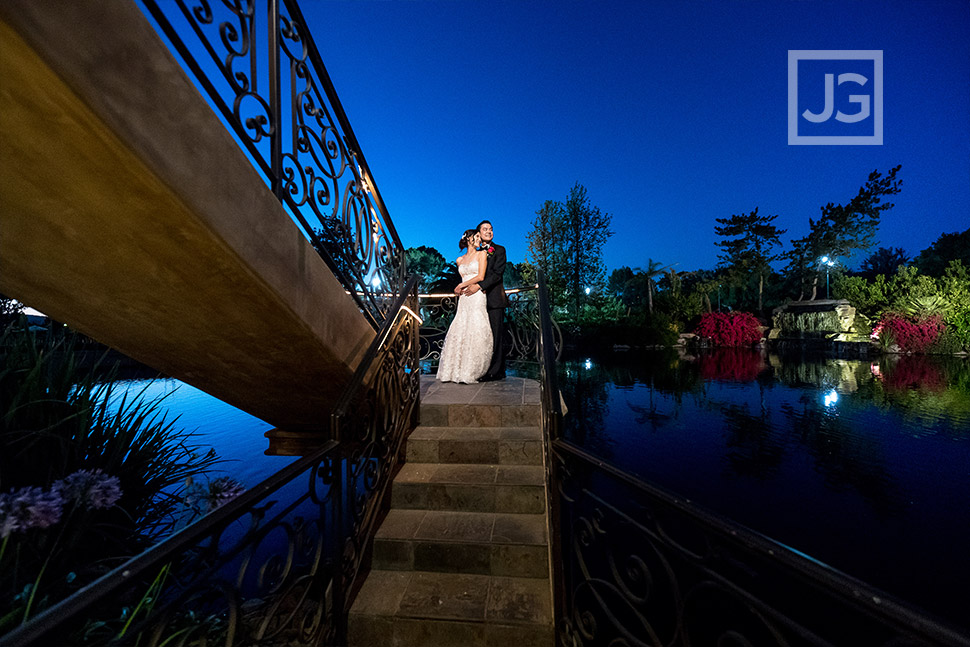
462, 558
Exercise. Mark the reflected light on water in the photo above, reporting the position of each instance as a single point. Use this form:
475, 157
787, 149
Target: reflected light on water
831, 398
857, 463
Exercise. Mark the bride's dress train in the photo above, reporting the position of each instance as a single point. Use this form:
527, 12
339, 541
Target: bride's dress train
468, 345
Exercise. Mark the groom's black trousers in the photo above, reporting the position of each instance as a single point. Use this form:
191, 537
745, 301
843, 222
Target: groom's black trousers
496, 319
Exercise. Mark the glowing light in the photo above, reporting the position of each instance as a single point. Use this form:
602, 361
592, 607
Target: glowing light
588, 365
376, 282
587, 290
830, 398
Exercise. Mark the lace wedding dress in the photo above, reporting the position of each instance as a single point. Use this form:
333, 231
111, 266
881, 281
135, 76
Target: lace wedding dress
468, 345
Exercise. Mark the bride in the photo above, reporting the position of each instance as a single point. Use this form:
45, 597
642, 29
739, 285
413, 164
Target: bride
468, 345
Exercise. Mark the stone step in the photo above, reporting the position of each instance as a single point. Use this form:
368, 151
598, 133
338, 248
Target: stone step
481, 414
487, 445
411, 608
463, 542
517, 489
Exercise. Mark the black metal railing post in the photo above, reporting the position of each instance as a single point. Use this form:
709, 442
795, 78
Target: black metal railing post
276, 134
551, 416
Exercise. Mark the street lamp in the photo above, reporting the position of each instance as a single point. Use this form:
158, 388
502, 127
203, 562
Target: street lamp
827, 263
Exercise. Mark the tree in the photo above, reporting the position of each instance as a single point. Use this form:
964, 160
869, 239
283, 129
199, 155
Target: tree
518, 275
546, 249
10, 311
566, 243
617, 284
446, 280
427, 263
748, 244
588, 230
842, 230
885, 260
948, 247
629, 287
653, 269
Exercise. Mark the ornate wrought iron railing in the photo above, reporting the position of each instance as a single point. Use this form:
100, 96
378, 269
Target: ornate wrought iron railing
521, 325
280, 564
279, 101
636, 565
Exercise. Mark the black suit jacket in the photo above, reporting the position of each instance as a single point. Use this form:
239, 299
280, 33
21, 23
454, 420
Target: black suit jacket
492, 283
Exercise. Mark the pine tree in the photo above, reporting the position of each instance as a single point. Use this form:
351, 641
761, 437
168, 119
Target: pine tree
843, 230
747, 250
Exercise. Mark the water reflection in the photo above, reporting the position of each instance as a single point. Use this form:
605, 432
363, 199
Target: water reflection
858, 463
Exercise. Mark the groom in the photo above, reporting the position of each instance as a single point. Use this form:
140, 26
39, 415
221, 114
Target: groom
495, 300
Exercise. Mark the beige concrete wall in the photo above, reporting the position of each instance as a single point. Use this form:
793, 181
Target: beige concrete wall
128, 212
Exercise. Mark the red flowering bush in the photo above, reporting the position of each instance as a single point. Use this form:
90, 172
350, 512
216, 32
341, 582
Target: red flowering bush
729, 328
912, 336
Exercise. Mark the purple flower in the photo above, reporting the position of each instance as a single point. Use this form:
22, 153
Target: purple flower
8, 522
29, 507
104, 492
93, 489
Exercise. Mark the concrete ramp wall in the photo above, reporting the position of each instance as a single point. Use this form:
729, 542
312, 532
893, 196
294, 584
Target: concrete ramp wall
129, 212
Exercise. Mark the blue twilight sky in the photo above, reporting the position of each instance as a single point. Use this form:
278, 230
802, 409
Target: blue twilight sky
670, 113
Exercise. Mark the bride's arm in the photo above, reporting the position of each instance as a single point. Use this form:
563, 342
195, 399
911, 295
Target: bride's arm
482, 262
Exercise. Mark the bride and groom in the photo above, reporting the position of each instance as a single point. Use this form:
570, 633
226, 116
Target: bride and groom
473, 346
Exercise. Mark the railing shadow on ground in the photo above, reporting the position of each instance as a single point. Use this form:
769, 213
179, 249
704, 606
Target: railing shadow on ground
636, 565
281, 563
258, 65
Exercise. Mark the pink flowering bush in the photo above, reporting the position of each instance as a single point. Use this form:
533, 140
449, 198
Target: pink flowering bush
729, 328
912, 335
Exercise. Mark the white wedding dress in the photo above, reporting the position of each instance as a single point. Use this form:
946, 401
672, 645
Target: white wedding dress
468, 345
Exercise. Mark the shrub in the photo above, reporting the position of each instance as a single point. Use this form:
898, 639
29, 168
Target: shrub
958, 323
912, 336
729, 328
659, 329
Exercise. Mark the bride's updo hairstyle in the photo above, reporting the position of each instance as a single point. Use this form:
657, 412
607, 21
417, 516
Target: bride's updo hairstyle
467, 238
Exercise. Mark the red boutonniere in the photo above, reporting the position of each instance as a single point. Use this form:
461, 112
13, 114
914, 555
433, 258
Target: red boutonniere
490, 250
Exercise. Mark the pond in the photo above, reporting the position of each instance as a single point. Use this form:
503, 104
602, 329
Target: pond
235, 435
862, 465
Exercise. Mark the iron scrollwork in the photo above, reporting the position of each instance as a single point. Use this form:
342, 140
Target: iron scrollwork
373, 426
521, 325
279, 564
256, 570
634, 565
281, 104
642, 567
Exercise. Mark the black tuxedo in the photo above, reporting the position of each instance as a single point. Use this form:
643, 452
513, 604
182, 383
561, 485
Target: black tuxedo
495, 304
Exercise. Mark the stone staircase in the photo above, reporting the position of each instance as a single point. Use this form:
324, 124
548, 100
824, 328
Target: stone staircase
462, 558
